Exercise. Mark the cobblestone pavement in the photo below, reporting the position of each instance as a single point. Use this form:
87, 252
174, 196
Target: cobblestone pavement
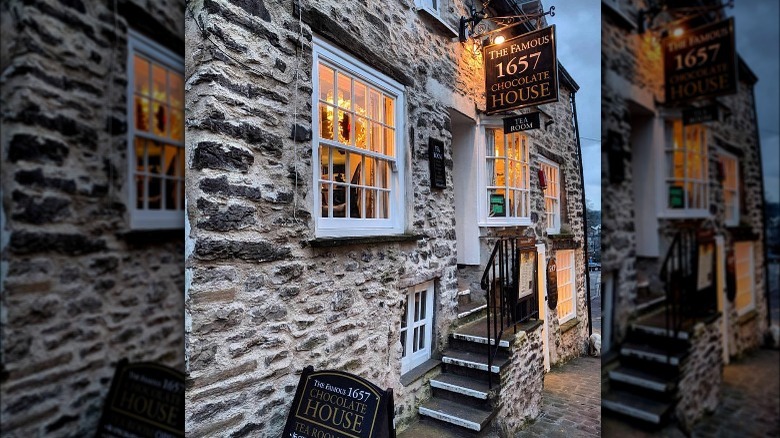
571, 402
749, 404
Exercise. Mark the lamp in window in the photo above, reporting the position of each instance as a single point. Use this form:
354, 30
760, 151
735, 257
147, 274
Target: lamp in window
542, 180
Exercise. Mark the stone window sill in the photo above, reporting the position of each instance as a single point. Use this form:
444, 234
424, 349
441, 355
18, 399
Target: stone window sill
419, 371
570, 324
330, 242
747, 317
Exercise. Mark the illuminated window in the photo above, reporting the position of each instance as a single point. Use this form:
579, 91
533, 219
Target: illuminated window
417, 326
744, 266
358, 124
156, 135
564, 261
687, 171
730, 167
552, 196
507, 176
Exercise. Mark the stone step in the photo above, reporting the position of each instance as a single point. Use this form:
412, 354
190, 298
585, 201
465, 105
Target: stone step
456, 413
476, 331
462, 385
427, 427
654, 354
641, 408
642, 379
464, 296
477, 361
472, 308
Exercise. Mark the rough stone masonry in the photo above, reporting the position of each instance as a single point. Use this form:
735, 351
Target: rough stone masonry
264, 297
79, 291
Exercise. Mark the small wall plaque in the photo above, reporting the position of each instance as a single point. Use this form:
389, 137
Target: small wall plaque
436, 163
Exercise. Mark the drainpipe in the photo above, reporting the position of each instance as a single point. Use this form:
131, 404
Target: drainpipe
585, 210
763, 215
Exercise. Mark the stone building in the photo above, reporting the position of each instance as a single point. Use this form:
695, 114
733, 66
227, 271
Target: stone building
92, 204
361, 263
683, 197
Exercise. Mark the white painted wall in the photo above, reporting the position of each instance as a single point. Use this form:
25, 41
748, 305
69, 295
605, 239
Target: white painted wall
646, 139
465, 182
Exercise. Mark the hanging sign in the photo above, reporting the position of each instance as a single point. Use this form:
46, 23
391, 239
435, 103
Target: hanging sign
336, 404
552, 284
693, 116
522, 122
700, 62
145, 400
436, 163
521, 71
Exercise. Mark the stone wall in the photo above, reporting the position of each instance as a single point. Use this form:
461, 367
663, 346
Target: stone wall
521, 389
79, 291
632, 78
700, 375
266, 298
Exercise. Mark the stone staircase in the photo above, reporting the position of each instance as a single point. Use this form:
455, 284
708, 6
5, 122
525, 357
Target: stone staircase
462, 403
643, 378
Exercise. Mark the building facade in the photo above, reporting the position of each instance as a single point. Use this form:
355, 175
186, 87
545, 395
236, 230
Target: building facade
363, 262
683, 232
92, 204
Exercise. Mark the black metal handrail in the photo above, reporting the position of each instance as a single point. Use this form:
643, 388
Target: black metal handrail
505, 307
680, 273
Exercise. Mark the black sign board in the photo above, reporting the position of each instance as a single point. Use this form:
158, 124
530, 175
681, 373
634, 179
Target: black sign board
436, 163
692, 116
521, 71
731, 274
552, 284
145, 400
336, 404
700, 62
522, 122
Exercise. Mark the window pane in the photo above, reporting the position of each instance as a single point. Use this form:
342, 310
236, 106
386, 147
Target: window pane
339, 200
324, 162
180, 165
177, 125
171, 194
344, 91
169, 160
324, 200
415, 339
389, 108
361, 95
355, 202
159, 119
423, 296
326, 83
140, 190
141, 73
370, 204
141, 113
376, 138
345, 127
176, 90
361, 133
383, 207
390, 142
140, 155
159, 83
326, 122
421, 343
374, 103
155, 193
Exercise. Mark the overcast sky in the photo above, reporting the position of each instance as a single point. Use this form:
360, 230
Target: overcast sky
756, 23
578, 32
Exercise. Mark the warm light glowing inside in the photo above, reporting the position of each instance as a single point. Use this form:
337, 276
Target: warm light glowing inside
499, 39
678, 32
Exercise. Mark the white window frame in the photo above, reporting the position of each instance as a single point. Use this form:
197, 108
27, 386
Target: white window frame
667, 180
484, 218
413, 358
147, 219
571, 255
724, 157
552, 184
346, 227
746, 277
432, 7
